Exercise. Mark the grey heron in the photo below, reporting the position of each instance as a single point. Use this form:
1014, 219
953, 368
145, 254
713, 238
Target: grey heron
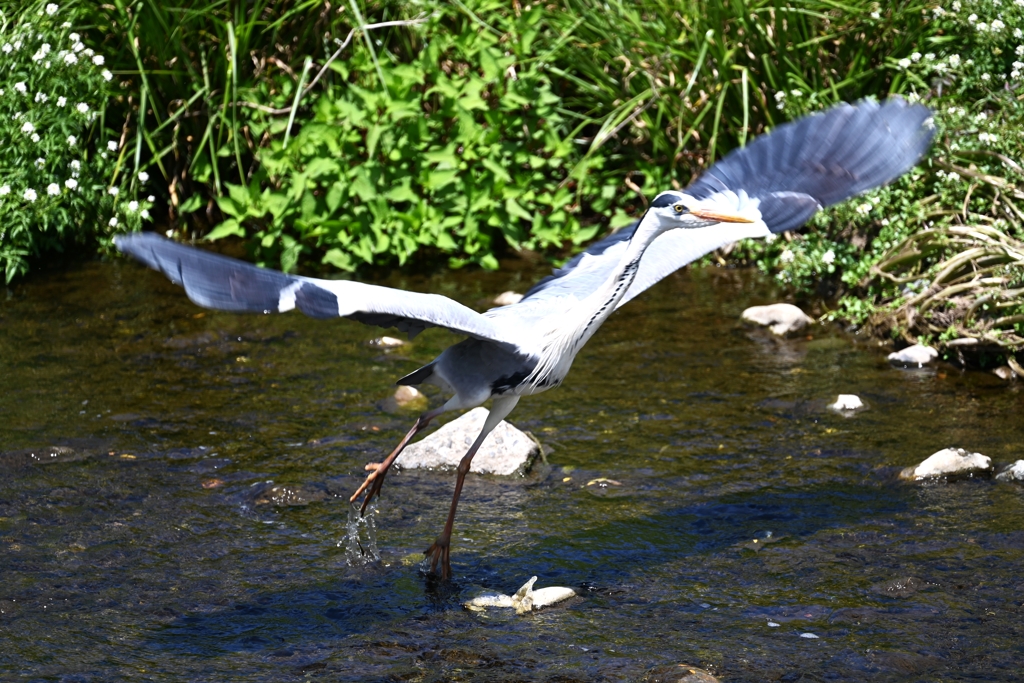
774, 184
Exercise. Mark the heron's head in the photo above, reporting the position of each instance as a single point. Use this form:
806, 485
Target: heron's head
680, 210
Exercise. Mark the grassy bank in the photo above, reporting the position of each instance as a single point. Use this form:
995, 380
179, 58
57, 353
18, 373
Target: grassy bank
375, 134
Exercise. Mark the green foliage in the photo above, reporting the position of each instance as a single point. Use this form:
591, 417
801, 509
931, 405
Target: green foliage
58, 178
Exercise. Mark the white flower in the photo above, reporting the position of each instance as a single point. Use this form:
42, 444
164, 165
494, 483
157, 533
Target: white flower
113, 222
66, 24
779, 96
78, 47
956, 5
30, 195
70, 58
27, 127
45, 48
929, 56
40, 161
954, 61
106, 75
5, 190
75, 164
796, 93
953, 175
982, 26
916, 57
71, 183
1017, 33
38, 57
988, 137
41, 97
133, 206
72, 141
828, 257
82, 107
61, 101
973, 18
938, 11
98, 60
51, 9
980, 116
150, 199
998, 25
876, 15
46, 64
112, 145
21, 87
35, 137
787, 256
1014, 75
7, 50
112, 191
1019, 3
143, 176
74, 37
145, 214
904, 63
17, 45
53, 189
1019, 50
88, 52
864, 209
985, 77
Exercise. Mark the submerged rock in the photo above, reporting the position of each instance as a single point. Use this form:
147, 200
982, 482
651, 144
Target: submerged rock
1014, 472
506, 450
387, 342
1005, 372
917, 355
679, 673
781, 319
407, 397
949, 461
508, 298
847, 403
525, 600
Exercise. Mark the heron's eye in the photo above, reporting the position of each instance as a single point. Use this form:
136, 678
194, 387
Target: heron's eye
679, 208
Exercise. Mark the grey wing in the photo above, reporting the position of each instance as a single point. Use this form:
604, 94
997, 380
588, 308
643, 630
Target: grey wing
227, 284
791, 173
822, 159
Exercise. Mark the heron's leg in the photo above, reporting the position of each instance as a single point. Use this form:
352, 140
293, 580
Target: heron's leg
375, 479
441, 549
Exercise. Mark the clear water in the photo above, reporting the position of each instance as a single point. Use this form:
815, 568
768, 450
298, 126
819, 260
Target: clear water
174, 484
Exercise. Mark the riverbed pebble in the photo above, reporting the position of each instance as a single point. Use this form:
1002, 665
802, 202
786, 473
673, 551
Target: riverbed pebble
506, 450
916, 356
409, 397
781, 319
949, 461
525, 599
387, 342
1014, 472
1005, 373
679, 673
847, 403
508, 298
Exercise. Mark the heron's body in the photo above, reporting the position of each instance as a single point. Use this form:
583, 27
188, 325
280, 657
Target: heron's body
775, 184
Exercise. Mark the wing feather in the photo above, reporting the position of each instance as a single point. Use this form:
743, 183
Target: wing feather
227, 284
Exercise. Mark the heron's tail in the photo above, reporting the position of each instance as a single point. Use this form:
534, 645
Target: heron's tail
417, 376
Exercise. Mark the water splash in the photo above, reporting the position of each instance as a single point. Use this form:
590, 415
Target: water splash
360, 540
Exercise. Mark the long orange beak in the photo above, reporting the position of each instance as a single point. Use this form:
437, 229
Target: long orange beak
719, 217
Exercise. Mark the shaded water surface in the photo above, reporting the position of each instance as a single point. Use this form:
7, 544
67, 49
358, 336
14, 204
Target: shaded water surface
174, 483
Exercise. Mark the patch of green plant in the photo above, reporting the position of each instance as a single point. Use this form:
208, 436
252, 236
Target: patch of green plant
60, 171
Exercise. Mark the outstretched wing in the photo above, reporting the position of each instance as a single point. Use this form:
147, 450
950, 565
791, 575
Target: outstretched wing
227, 284
790, 173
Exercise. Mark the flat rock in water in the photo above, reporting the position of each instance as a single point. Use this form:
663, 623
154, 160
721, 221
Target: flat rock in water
916, 356
1014, 472
781, 319
847, 403
506, 450
949, 461
508, 298
679, 673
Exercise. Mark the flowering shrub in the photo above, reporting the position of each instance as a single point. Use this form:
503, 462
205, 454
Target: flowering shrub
59, 172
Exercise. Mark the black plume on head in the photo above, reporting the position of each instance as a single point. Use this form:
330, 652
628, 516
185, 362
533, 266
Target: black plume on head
666, 199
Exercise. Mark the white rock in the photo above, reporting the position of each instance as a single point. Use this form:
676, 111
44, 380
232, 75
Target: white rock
781, 319
948, 461
408, 396
847, 402
1014, 472
386, 342
505, 451
917, 355
508, 298
525, 600
808, 635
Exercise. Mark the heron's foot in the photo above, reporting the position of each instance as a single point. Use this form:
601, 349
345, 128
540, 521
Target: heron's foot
440, 552
372, 485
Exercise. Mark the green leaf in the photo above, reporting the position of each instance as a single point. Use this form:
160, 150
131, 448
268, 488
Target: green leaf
229, 228
191, 204
513, 209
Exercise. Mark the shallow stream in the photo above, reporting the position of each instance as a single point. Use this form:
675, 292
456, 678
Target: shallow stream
174, 485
